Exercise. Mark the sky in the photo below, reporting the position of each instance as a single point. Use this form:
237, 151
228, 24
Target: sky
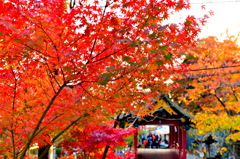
226, 16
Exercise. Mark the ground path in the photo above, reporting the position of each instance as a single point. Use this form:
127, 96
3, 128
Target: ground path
157, 154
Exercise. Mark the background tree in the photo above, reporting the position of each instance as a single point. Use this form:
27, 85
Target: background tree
60, 68
212, 87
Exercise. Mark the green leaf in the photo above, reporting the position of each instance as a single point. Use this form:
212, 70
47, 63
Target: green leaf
144, 71
168, 56
163, 47
30, 41
158, 41
156, 8
144, 59
153, 35
122, 31
126, 58
67, 69
140, 42
78, 103
1, 33
190, 87
133, 44
116, 95
145, 24
153, 51
105, 78
159, 62
18, 40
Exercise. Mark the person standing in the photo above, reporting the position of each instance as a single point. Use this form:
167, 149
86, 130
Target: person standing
231, 156
150, 140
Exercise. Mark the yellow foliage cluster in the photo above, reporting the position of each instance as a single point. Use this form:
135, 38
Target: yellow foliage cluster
213, 86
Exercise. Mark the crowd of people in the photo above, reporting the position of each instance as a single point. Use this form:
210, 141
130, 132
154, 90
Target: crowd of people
154, 141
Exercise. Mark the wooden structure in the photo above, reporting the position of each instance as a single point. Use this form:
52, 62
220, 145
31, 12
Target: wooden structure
168, 113
236, 149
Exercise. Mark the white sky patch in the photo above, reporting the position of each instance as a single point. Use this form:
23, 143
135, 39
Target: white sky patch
225, 16
169, 81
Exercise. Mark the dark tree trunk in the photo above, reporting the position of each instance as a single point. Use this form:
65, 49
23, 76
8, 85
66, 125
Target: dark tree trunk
42, 152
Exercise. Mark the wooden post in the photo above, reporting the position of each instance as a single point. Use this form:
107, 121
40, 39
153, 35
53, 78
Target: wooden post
175, 131
184, 143
171, 136
180, 142
135, 143
178, 137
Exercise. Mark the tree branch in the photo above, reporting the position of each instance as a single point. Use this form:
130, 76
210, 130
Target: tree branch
52, 76
60, 133
48, 124
190, 77
224, 105
13, 144
214, 68
13, 110
108, 55
40, 122
96, 96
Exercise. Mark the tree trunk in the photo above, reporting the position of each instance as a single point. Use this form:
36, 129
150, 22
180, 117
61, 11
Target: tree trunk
43, 152
107, 147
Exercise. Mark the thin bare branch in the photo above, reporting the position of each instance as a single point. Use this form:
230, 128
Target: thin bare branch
214, 68
96, 96
43, 128
108, 55
224, 105
52, 75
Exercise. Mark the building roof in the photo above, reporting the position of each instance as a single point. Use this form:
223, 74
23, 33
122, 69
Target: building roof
175, 106
167, 112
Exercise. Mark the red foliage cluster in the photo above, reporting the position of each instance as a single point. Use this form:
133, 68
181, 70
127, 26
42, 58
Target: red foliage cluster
92, 139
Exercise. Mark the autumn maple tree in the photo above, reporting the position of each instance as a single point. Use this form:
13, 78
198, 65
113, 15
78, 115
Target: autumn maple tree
211, 88
67, 67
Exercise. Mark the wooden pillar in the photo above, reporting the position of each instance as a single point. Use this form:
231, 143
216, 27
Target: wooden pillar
171, 136
180, 142
178, 138
135, 143
184, 144
175, 135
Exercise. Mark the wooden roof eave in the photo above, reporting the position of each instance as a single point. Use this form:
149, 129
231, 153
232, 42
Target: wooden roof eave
175, 106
